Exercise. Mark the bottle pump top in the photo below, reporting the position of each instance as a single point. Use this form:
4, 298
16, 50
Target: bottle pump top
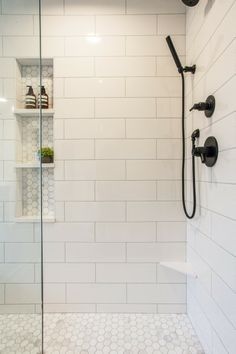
43, 91
30, 91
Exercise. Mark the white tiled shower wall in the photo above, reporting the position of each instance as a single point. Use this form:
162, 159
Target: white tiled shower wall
211, 235
117, 152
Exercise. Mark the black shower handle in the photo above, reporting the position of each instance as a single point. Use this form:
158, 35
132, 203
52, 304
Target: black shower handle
201, 106
208, 106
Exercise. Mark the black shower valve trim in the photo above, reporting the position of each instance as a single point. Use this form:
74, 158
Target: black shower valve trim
201, 152
208, 153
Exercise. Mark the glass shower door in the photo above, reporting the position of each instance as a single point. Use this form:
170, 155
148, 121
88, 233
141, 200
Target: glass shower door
20, 180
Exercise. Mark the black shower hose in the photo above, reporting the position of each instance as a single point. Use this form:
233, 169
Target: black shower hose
189, 216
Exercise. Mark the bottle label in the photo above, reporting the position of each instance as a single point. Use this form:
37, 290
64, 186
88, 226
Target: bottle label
30, 101
43, 101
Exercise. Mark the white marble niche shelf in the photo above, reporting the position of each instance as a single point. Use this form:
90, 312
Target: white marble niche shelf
35, 219
34, 165
22, 112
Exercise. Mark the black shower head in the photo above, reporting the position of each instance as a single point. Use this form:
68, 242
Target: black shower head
174, 54
190, 2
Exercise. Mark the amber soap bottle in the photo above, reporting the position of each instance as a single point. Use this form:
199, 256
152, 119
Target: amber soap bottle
42, 98
30, 98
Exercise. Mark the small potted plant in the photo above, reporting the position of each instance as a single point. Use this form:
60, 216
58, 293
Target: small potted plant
46, 154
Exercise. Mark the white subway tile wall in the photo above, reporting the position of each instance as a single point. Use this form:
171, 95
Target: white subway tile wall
117, 157
211, 235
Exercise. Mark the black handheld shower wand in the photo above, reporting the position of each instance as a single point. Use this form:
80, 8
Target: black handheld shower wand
182, 70
175, 56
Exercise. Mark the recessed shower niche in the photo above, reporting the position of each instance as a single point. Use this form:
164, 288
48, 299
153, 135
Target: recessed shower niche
28, 204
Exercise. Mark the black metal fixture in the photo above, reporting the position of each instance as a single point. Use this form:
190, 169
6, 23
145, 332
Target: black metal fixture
190, 2
182, 70
208, 107
195, 135
175, 56
208, 153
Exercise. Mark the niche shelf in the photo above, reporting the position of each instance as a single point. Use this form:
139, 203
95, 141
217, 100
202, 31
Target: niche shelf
34, 165
27, 144
24, 219
22, 112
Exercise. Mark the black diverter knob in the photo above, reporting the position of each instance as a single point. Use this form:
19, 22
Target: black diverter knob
208, 107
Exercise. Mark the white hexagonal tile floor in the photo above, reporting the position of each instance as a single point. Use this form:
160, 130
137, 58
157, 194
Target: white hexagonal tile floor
99, 333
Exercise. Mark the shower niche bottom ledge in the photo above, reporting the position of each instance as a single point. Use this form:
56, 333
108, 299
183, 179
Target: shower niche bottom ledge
36, 219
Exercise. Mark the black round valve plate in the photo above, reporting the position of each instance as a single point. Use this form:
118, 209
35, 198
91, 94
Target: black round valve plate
212, 104
211, 142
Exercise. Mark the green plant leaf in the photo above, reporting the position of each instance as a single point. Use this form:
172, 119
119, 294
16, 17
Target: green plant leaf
46, 152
